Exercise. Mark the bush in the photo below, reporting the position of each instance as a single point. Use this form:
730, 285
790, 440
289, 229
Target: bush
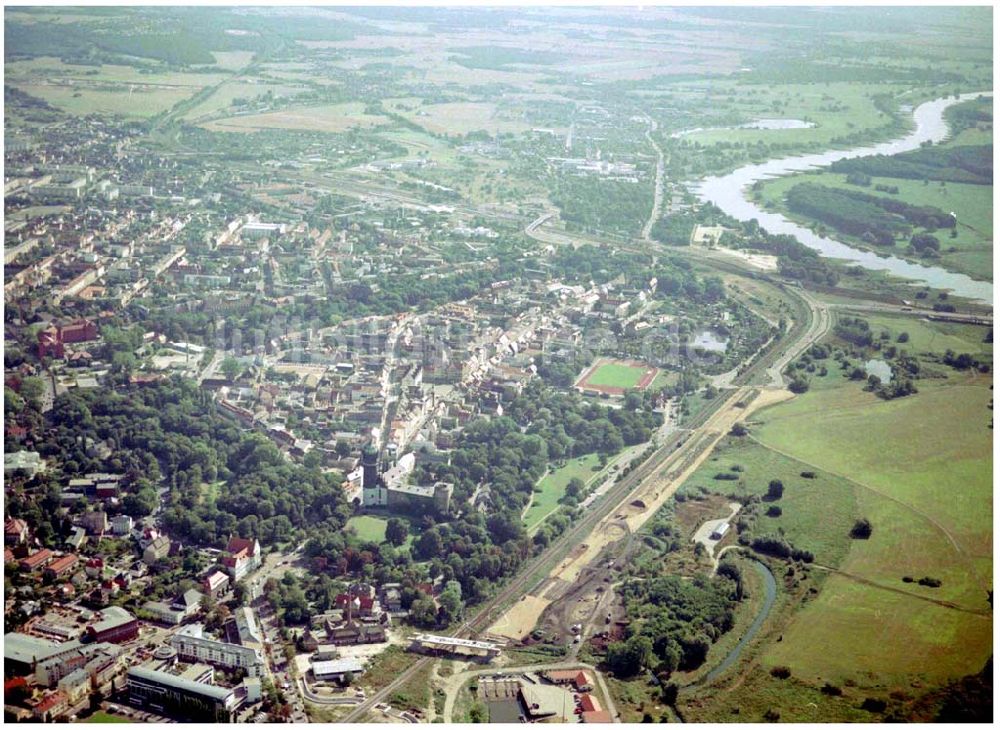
873, 704
775, 489
774, 511
831, 690
930, 582
781, 672
808, 475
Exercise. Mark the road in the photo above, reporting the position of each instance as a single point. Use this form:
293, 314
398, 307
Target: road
658, 186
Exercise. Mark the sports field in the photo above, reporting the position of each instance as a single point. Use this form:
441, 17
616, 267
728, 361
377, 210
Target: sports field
614, 377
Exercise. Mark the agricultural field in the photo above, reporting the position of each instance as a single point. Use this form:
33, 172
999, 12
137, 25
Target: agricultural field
553, 487
138, 102
971, 251
459, 118
323, 118
224, 96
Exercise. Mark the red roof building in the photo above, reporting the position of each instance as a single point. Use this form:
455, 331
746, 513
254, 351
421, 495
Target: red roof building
589, 703
15, 531
599, 717
60, 566
36, 560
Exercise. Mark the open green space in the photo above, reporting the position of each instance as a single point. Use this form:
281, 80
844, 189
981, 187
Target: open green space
816, 514
837, 109
971, 251
553, 486
615, 375
368, 528
104, 717
923, 471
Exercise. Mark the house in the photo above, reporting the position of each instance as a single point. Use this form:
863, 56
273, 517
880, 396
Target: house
15, 531
215, 583
77, 536
96, 522
589, 703
156, 550
94, 567
50, 707
242, 557
177, 611
121, 524
60, 566
356, 633
30, 462
358, 605
576, 677
597, 717
75, 685
392, 597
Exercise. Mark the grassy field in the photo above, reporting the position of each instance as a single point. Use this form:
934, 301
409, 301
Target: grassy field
973, 204
553, 487
923, 471
926, 336
104, 717
324, 118
370, 529
817, 514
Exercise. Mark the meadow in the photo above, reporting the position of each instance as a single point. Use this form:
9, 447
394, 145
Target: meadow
552, 487
138, 102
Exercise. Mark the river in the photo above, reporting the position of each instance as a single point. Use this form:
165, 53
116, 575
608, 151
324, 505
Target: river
727, 192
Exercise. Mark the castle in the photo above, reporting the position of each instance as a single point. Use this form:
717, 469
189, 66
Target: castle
387, 488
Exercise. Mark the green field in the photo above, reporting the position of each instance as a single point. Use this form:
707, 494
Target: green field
817, 514
104, 717
368, 528
553, 487
973, 204
615, 375
923, 470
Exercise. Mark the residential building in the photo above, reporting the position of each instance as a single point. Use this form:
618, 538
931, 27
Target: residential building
191, 645
242, 556
60, 567
157, 549
15, 531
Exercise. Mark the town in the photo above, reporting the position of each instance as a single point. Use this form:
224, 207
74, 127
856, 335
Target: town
577, 365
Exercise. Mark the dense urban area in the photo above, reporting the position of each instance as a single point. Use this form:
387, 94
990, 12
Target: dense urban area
498, 365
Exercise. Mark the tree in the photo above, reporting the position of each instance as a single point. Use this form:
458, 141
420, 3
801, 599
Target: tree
231, 368
396, 531
574, 487
775, 489
627, 658
862, 529
342, 448
423, 612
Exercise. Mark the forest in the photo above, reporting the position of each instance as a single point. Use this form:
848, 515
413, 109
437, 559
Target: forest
967, 164
874, 218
